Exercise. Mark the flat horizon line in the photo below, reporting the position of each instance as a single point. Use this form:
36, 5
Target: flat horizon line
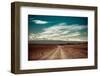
54, 42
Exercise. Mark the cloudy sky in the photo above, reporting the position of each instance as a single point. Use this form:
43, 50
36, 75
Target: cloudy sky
63, 28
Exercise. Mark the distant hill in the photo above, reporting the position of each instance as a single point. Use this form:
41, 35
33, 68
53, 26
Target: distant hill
55, 42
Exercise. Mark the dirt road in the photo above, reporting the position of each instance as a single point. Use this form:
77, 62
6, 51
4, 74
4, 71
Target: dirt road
50, 52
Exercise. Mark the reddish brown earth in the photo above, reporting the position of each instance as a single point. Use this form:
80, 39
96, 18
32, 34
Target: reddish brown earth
53, 51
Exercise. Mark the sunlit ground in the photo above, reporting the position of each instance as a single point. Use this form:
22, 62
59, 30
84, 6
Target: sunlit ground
50, 52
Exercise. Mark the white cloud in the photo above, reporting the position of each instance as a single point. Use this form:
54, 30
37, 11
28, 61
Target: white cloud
73, 34
63, 26
56, 27
60, 32
40, 21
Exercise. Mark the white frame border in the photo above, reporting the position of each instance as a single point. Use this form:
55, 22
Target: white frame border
25, 64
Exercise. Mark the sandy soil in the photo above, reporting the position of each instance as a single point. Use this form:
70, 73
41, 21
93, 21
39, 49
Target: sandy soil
50, 52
